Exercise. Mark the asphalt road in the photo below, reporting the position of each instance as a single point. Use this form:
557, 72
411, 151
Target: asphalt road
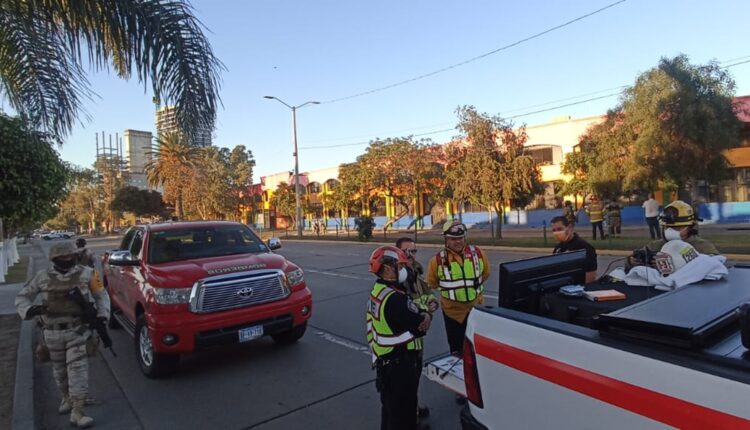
322, 382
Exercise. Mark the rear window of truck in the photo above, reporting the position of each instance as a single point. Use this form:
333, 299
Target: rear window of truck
202, 242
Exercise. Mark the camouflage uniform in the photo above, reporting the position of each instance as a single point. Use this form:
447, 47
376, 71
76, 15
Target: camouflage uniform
86, 257
64, 333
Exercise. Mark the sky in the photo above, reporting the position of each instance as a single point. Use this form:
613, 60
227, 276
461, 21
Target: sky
322, 51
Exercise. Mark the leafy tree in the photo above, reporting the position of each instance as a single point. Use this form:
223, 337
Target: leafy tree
401, 169
669, 129
44, 45
492, 170
240, 177
171, 166
84, 205
284, 200
32, 175
355, 187
139, 202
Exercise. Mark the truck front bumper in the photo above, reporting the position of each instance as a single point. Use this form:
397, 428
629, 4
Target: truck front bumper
195, 331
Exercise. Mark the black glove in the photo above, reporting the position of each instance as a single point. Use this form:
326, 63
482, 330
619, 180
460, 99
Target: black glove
35, 310
103, 320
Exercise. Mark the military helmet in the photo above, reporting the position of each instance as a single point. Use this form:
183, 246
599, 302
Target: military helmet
454, 228
677, 214
62, 249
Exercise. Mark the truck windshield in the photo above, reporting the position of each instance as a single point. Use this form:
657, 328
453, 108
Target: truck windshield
202, 242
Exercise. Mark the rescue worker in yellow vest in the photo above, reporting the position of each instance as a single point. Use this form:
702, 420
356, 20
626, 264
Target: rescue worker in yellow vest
395, 328
46, 295
459, 272
595, 211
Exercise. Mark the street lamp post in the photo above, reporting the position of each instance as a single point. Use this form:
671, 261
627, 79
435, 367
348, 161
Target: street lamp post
296, 157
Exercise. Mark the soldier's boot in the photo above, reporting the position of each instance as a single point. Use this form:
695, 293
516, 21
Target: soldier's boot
78, 418
65, 405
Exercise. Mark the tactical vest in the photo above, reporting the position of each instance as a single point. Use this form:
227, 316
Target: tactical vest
461, 283
380, 336
55, 288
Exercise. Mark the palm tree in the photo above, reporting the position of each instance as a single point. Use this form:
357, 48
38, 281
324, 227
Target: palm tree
45, 44
171, 166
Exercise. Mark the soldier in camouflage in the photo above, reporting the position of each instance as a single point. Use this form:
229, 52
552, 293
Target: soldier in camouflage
85, 256
46, 295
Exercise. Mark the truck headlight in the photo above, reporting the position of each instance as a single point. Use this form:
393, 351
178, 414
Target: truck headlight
172, 296
295, 277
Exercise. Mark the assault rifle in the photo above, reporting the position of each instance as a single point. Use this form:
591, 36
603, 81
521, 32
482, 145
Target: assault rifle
89, 317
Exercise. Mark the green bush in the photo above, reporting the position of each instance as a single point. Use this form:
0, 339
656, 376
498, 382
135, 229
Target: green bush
364, 226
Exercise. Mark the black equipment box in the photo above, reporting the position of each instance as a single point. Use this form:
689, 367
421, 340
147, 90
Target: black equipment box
687, 317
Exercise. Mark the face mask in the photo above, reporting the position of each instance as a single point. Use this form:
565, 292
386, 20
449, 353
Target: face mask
560, 235
63, 265
402, 275
672, 234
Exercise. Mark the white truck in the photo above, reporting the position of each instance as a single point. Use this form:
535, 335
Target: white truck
542, 360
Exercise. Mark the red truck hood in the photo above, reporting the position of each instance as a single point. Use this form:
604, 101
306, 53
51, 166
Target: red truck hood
186, 273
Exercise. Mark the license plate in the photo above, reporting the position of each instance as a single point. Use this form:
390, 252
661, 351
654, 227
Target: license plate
251, 333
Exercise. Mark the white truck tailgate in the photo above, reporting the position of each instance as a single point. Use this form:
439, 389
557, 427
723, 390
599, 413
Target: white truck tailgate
447, 371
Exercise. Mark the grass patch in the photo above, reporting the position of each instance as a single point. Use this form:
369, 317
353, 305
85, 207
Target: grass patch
17, 272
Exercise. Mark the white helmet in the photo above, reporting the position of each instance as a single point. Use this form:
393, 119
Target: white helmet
673, 256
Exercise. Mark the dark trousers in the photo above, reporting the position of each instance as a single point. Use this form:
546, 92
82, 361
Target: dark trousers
397, 382
600, 226
455, 332
614, 227
653, 227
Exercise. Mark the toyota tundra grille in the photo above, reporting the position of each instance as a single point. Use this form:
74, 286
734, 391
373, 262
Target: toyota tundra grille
238, 290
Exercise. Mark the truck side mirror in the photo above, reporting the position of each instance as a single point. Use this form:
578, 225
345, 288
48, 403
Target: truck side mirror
123, 258
274, 243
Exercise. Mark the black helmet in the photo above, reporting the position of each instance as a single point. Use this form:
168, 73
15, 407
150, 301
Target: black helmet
80, 242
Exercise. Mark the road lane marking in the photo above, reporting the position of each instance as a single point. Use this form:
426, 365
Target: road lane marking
340, 275
346, 343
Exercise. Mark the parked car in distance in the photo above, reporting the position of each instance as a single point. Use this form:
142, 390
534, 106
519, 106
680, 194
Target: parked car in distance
58, 234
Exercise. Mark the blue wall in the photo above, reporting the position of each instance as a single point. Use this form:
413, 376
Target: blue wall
712, 213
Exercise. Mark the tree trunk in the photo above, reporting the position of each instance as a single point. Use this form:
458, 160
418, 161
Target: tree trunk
500, 210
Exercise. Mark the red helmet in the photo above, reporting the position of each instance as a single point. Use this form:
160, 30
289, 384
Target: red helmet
387, 255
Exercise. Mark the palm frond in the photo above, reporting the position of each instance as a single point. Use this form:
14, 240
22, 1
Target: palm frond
159, 41
38, 76
43, 45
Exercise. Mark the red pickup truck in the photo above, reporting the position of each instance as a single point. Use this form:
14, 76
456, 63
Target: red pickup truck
178, 287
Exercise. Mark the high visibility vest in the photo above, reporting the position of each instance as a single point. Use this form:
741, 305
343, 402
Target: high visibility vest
461, 283
596, 212
380, 336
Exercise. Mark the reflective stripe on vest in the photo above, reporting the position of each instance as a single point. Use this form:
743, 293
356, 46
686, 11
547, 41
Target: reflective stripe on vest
596, 212
380, 336
461, 283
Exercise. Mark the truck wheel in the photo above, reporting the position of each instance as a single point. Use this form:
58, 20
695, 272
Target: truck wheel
152, 364
290, 336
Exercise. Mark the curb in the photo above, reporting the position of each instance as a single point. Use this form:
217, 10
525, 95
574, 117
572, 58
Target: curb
23, 394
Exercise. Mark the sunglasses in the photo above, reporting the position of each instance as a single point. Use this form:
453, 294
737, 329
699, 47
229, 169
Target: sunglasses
410, 251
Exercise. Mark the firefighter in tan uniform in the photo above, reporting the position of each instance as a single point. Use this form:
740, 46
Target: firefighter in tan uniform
46, 295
